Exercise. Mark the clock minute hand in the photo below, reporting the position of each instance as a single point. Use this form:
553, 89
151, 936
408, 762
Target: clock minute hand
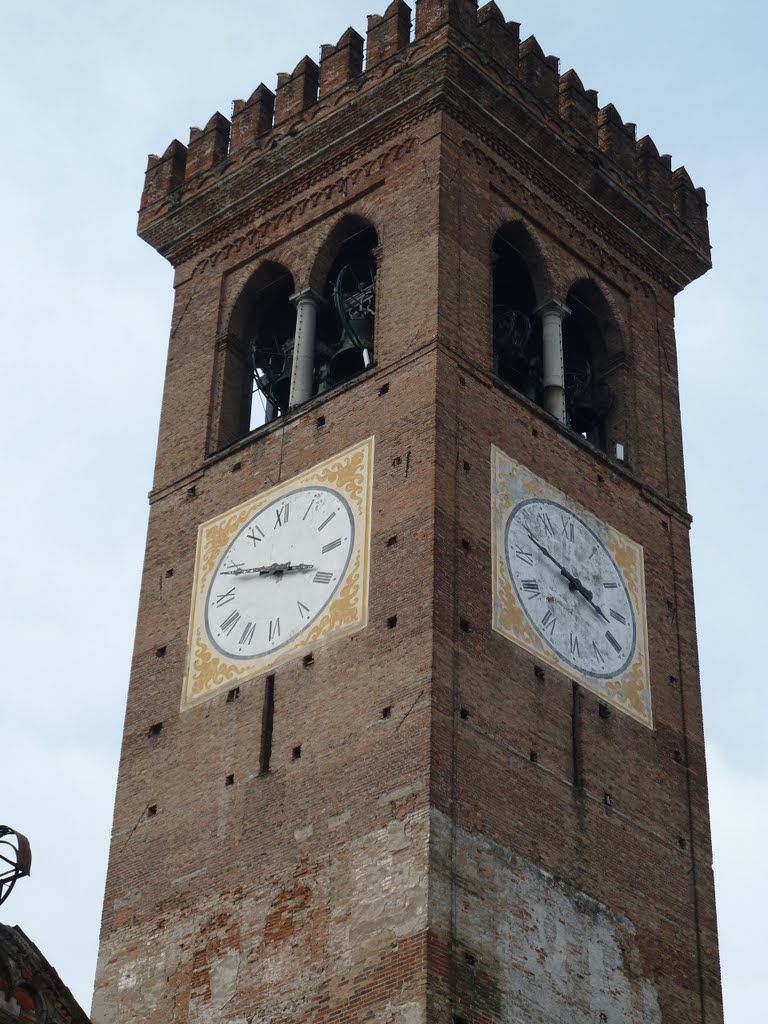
574, 581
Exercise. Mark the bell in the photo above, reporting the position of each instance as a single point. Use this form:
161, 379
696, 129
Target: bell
273, 378
347, 361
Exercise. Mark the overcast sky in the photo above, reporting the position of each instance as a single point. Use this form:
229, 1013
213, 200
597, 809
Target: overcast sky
89, 88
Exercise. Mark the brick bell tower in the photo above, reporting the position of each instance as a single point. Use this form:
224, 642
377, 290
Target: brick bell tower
414, 733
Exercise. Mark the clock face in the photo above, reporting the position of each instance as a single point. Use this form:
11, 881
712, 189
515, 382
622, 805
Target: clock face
570, 588
280, 572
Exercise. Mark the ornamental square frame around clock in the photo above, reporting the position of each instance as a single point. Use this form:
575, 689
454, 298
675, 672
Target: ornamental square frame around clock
207, 670
511, 483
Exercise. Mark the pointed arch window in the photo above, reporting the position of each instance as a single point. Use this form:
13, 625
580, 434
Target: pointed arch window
517, 340
347, 270
255, 356
590, 399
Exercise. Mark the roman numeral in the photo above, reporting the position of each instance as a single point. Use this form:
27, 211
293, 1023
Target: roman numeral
611, 586
248, 632
323, 577
598, 653
235, 565
619, 618
309, 509
223, 599
575, 645
568, 529
302, 608
230, 622
325, 522
274, 630
255, 534
546, 523
524, 556
330, 547
531, 587
548, 622
281, 515
613, 641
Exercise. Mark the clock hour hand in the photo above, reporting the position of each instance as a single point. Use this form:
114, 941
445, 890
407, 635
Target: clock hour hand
268, 570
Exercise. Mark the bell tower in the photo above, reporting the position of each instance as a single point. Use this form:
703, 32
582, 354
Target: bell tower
413, 731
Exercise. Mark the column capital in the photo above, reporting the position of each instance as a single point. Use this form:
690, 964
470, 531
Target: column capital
307, 295
553, 306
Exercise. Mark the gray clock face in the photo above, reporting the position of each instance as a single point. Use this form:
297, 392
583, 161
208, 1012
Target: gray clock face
570, 588
280, 572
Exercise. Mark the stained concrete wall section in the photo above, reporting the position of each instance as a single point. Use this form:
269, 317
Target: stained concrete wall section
543, 950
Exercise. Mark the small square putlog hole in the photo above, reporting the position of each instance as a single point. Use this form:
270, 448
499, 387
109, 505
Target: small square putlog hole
296, 753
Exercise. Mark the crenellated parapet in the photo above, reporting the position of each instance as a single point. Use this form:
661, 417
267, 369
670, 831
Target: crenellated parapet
341, 63
388, 33
252, 118
401, 38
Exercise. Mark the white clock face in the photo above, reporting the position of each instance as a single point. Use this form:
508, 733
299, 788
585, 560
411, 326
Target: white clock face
570, 588
280, 572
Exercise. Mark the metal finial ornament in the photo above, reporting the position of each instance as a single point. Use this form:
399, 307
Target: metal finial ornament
15, 860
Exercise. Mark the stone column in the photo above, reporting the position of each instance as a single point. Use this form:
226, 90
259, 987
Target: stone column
552, 314
307, 304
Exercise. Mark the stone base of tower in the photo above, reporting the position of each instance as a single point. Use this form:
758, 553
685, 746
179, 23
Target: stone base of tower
420, 922
526, 946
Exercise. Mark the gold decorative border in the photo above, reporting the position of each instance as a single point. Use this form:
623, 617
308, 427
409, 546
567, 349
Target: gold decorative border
512, 482
207, 671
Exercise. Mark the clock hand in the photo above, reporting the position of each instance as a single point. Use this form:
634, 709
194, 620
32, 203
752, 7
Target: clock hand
574, 581
268, 570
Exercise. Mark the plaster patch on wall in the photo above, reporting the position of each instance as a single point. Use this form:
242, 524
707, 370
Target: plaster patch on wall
225, 974
142, 988
546, 951
387, 870
406, 1013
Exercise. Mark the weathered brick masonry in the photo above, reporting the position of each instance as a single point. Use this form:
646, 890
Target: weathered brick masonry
497, 847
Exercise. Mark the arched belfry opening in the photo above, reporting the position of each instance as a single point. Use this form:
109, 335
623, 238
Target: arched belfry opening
255, 378
269, 333
345, 273
588, 333
517, 338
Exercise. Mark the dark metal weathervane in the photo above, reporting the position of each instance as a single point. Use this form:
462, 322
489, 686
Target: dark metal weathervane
15, 860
